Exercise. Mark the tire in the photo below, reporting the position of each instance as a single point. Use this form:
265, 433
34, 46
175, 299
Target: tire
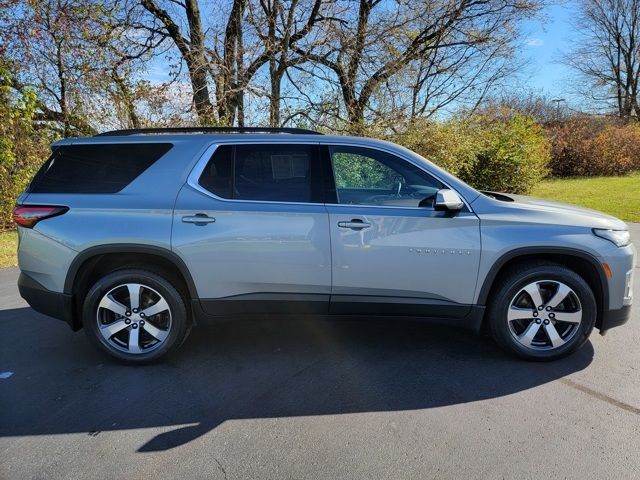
135, 335
520, 326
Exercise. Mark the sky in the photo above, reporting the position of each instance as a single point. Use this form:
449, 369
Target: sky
546, 41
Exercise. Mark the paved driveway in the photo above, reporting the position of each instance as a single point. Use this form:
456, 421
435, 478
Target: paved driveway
314, 399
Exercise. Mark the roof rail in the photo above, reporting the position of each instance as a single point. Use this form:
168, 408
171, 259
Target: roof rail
135, 131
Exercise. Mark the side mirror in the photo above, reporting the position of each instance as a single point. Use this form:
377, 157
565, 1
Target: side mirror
448, 200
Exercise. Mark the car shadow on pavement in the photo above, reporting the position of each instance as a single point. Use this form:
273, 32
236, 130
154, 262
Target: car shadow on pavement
252, 368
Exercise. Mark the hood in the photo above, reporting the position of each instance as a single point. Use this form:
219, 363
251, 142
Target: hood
545, 211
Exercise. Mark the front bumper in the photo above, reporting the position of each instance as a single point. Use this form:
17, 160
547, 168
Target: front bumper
618, 297
54, 304
614, 318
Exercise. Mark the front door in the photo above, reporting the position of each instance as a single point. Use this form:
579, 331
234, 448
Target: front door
392, 253
253, 230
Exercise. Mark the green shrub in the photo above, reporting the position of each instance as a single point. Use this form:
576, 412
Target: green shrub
22, 149
513, 158
508, 155
453, 145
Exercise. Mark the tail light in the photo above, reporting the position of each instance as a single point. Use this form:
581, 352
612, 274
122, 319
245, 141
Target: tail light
28, 215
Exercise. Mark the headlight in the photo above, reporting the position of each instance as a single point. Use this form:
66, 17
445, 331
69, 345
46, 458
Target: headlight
620, 238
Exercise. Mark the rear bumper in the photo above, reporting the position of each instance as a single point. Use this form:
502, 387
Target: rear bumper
54, 304
615, 318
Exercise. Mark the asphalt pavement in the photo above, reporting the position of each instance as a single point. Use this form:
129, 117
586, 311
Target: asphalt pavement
317, 399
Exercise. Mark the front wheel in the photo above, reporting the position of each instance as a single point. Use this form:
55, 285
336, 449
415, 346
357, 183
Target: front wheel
136, 316
542, 311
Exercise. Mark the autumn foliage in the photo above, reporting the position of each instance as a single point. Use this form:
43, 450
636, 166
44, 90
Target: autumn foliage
588, 146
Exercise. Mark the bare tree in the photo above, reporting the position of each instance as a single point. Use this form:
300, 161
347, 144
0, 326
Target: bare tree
78, 57
335, 62
220, 60
282, 26
382, 39
191, 45
51, 49
607, 54
460, 76
126, 53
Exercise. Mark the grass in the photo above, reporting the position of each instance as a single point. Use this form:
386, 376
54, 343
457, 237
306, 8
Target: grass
617, 196
8, 247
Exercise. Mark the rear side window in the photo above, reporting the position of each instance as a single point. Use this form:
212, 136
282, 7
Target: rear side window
104, 168
272, 173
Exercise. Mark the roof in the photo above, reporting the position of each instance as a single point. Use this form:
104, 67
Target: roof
204, 130
221, 134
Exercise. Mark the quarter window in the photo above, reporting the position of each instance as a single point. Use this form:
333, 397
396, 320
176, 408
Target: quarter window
96, 168
217, 177
366, 176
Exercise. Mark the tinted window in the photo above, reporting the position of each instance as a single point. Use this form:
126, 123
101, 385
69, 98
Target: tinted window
105, 168
366, 176
218, 174
282, 173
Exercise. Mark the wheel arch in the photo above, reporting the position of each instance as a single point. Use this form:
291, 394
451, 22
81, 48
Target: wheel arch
92, 253
583, 263
101, 259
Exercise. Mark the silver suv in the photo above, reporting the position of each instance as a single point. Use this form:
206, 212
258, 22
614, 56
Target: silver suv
136, 235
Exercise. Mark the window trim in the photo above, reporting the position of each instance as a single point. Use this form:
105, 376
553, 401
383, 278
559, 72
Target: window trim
203, 160
325, 154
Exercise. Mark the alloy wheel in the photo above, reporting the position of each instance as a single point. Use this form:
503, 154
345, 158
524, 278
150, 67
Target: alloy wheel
544, 315
134, 318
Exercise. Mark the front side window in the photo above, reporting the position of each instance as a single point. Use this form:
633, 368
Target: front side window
272, 173
366, 176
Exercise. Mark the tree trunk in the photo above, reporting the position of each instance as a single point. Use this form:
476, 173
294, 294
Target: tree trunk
355, 115
276, 73
274, 77
127, 100
197, 64
239, 55
192, 51
64, 112
229, 97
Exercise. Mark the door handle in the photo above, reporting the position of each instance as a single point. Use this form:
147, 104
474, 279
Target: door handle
355, 224
200, 219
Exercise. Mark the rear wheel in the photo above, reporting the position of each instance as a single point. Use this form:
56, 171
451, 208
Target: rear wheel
542, 311
135, 315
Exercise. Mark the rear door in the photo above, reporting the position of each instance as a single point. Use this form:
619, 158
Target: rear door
392, 252
252, 227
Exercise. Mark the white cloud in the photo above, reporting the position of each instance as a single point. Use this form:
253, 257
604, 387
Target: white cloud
534, 42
